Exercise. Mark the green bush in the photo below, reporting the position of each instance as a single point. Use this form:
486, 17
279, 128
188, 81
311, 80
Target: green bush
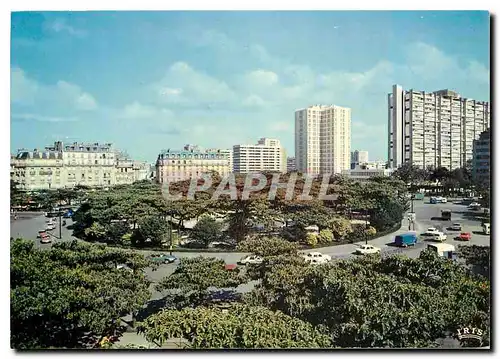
325, 236
370, 231
312, 239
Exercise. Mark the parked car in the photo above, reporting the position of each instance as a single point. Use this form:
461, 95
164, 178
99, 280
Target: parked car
456, 227
406, 239
68, 214
464, 236
316, 258
367, 249
45, 238
162, 258
51, 226
40, 233
486, 228
251, 259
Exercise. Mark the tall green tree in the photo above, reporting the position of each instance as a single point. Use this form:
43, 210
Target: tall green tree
195, 279
392, 302
152, 229
207, 230
73, 295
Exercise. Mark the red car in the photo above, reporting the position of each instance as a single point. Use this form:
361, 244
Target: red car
464, 236
230, 267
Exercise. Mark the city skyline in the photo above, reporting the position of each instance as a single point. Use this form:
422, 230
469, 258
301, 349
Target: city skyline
219, 79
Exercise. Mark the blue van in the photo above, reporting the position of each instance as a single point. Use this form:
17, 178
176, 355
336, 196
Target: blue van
405, 240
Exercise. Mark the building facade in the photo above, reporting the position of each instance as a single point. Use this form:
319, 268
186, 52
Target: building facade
290, 164
130, 171
323, 139
377, 165
38, 169
363, 173
227, 152
433, 129
481, 158
266, 156
358, 157
66, 166
191, 161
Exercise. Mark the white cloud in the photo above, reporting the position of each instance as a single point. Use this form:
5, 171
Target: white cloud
61, 25
138, 111
86, 102
253, 101
22, 89
261, 77
62, 100
478, 72
184, 85
432, 64
170, 92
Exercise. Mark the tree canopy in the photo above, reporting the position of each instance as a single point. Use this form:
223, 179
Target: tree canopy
238, 327
72, 295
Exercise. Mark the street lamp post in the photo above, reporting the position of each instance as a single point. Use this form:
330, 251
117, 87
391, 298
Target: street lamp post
170, 232
60, 225
411, 215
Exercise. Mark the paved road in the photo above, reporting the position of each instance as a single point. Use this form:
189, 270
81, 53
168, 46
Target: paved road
28, 225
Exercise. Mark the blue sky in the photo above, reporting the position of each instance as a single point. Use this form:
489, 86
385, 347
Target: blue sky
147, 81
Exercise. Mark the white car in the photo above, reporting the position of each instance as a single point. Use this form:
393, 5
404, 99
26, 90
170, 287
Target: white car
441, 200
45, 239
367, 249
50, 227
456, 227
316, 258
124, 267
431, 231
474, 205
252, 259
439, 237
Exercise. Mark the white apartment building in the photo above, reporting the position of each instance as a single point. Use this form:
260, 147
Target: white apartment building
130, 171
323, 139
363, 173
38, 169
433, 129
192, 161
66, 166
226, 152
266, 156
